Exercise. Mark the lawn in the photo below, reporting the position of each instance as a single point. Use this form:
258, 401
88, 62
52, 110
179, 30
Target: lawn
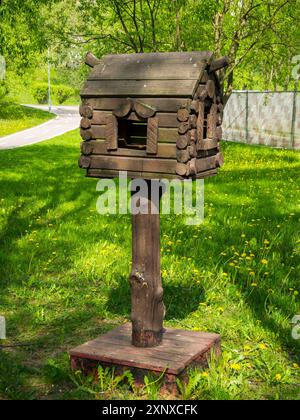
64, 274
14, 117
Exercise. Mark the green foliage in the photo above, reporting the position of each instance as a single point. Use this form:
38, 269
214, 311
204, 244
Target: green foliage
40, 93
62, 93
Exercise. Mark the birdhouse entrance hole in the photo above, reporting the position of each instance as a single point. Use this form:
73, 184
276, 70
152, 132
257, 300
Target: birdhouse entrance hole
132, 134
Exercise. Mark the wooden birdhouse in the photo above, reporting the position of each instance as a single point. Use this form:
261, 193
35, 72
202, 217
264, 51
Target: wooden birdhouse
154, 115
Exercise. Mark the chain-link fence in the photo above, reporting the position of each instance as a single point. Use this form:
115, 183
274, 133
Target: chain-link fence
268, 118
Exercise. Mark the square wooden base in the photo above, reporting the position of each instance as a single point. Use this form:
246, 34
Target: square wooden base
179, 350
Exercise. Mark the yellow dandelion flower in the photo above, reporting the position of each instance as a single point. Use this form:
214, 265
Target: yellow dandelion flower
295, 366
262, 346
236, 366
252, 273
244, 254
205, 375
266, 242
254, 284
221, 309
264, 261
278, 377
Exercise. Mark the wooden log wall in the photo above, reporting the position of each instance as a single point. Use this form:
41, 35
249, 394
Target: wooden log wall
182, 134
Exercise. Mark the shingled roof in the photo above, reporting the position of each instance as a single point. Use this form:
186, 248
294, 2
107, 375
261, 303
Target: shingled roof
174, 74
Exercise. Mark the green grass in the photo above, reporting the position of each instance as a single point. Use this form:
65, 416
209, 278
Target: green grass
14, 117
64, 274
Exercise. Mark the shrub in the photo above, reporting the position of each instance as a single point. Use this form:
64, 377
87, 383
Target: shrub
40, 93
62, 93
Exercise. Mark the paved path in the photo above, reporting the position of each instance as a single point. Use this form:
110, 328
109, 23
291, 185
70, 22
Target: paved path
67, 119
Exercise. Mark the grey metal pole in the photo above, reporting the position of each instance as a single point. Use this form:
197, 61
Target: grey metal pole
49, 83
294, 115
247, 116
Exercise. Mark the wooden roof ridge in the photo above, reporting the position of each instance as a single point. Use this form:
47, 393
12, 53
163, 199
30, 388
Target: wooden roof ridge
171, 74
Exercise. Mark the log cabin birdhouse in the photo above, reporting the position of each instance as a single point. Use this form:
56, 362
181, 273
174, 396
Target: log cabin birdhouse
155, 115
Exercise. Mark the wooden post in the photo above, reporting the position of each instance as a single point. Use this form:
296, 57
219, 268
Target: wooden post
147, 308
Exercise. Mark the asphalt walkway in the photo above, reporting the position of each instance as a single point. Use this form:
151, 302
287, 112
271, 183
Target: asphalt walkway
67, 119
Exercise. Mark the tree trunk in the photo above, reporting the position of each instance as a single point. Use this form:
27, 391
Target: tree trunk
147, 308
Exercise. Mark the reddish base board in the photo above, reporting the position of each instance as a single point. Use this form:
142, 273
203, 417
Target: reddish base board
180, 349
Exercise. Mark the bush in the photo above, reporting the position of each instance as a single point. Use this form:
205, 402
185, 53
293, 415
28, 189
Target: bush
40, 93
62, 93
3, 89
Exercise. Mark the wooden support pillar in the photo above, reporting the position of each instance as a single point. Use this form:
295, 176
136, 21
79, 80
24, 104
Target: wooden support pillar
147, 308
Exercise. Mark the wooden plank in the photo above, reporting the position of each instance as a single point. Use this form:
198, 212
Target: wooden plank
161, 104
98, 147
200, 125
148, 70
167, 135
165, 120
152, 135
208, 144
107, 173
111, 133
212, 122
132, 164
159, 57
140, 88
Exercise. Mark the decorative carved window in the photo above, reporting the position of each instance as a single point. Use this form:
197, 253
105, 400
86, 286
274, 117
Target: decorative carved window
132, 134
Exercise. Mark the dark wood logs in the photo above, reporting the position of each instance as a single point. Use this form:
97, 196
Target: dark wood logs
147, 308
183, 156
144, 110
84, 162
182, 115
211, 88
219, 64
123, 108
91, 60
85, 123
86, 111
86, 134
181, 169
182, 142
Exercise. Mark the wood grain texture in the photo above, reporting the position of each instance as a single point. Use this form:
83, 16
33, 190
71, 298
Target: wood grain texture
178, 350
123, 108
147, 308
98, 147
161, 104
111, 133
139, 88
144, 110
212, 122
122, 163
152, 135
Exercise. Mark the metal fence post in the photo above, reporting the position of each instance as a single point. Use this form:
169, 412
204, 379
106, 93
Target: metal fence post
293, 128
247, 116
